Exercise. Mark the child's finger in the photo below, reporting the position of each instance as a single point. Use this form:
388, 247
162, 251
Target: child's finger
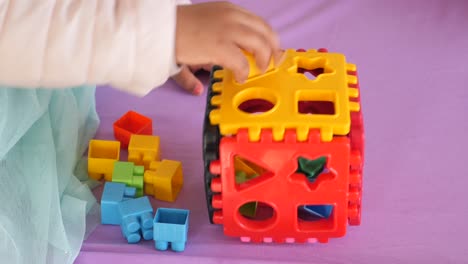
188, 81
257, 45
234, 59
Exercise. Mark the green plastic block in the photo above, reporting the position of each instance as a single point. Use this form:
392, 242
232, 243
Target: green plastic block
249, 209
241, 177
130, 175
311, 168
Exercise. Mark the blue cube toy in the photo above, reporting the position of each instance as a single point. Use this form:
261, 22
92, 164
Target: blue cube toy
170, 226
113, 194
137, 219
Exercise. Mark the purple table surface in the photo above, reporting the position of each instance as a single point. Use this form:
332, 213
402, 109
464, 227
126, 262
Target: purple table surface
411, 57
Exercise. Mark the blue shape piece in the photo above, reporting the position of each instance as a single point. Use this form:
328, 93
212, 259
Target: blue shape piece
114, 193
170, 226
137, 219
322, 211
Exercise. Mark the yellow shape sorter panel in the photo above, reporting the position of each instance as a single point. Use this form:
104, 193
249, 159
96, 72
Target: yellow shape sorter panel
286, 98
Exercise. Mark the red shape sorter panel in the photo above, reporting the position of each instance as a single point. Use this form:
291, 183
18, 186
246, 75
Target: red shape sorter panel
282, 188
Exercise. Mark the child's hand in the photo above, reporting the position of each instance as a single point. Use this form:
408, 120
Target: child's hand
216, 33
187, 80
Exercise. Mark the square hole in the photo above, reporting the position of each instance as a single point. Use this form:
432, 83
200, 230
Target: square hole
316, 102
315, 217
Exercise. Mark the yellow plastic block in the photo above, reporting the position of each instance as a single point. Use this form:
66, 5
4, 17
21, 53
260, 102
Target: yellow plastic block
253, 68
143, 149
248, 168
102, 154
164, 180
285, 89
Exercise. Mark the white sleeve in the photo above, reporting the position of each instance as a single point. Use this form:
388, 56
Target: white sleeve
129, 44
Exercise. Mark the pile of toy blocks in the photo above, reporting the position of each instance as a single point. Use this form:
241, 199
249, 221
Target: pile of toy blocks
144, 170
120, 206
123, 200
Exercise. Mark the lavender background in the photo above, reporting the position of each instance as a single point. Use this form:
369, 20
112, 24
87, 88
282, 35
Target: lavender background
411, 57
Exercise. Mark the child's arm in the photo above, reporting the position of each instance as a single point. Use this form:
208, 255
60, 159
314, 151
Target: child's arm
48, 43
130, 44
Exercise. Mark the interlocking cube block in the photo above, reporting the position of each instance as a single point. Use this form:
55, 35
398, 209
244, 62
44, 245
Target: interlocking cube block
102, 154
171, 226
137, 219
143, 149
164, 180
132, 123
113, 194
131, 175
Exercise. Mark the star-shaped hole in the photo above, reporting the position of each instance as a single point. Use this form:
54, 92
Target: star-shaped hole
311, 68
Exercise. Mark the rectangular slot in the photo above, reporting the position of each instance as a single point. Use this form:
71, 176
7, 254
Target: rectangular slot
316, 217
316, 103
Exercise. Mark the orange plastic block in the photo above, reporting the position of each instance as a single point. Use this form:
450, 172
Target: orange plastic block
132, 123
164, 180
102, 154
285, 98
280, 190
143, 149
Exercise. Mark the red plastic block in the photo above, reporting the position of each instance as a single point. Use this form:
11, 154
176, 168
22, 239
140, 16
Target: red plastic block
132, 123
282, 191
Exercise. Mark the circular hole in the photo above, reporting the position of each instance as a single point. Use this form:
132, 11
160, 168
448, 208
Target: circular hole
256, 100
256, 106
256, 215
256, 211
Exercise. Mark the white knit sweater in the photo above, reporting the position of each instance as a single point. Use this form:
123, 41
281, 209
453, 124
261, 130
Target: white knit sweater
129, 44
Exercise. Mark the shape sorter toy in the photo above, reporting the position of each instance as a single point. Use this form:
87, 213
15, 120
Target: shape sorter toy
284, 151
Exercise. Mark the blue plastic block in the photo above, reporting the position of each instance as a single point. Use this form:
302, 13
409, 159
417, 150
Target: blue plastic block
137, 219
321, 211
171, 226
113, 194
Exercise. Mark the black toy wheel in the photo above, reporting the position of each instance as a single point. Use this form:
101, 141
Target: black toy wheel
211, 138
